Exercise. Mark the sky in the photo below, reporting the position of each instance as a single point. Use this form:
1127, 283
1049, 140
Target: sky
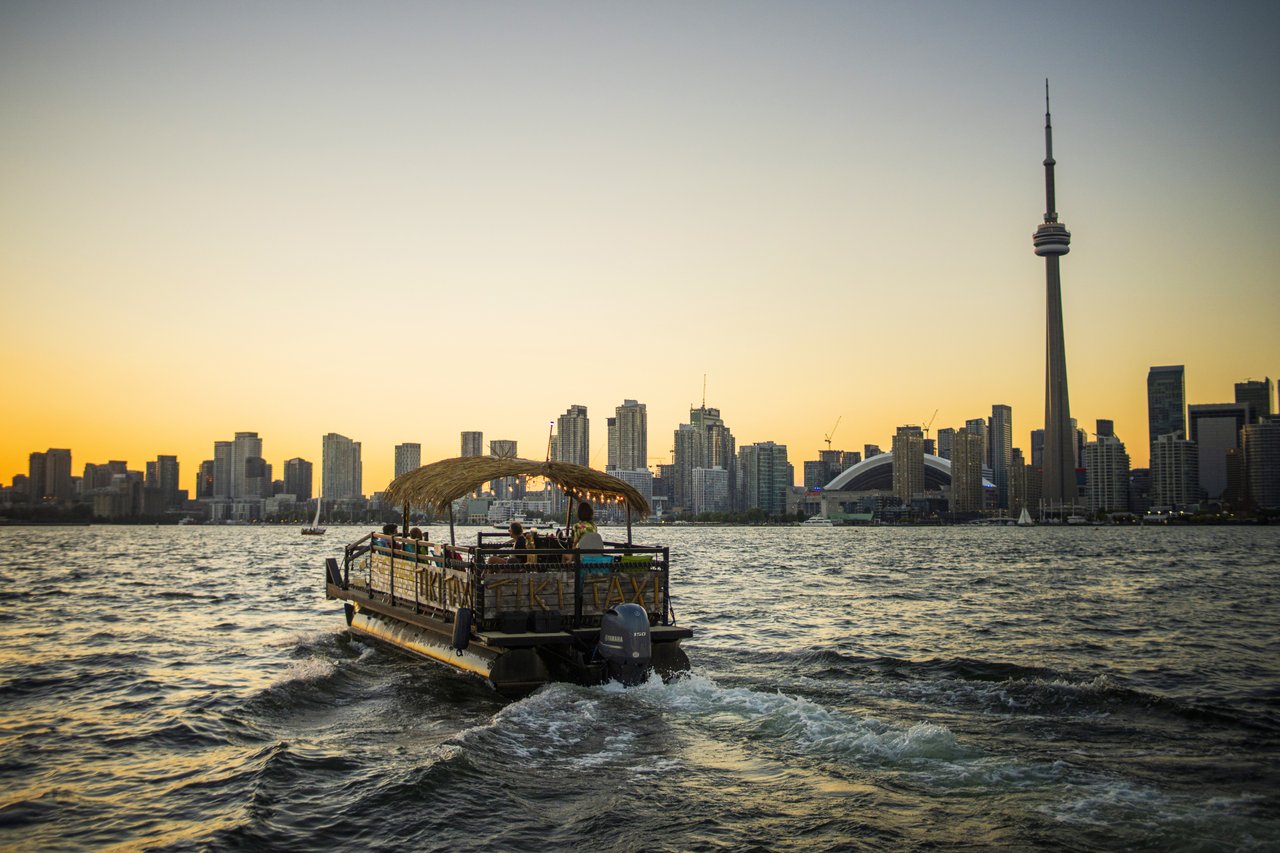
399, 221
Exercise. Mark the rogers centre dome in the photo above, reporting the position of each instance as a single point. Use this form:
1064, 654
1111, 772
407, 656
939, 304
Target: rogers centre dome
876, 474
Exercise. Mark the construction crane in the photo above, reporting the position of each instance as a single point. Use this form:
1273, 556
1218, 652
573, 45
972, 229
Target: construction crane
929, 423
827, 437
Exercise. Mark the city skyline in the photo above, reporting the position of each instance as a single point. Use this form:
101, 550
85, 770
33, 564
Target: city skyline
743, 191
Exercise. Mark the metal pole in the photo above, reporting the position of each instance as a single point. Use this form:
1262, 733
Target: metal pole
452, 540
628, 524
404, 530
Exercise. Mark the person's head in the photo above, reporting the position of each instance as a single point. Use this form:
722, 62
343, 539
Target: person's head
585, 512
389, 529
516, 530
415, 533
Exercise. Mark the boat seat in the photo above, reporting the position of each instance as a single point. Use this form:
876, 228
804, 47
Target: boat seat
595, 562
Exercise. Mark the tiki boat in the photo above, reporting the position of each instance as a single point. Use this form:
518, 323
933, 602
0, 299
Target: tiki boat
516, 616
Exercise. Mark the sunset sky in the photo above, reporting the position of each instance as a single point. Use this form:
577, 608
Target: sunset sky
398, 221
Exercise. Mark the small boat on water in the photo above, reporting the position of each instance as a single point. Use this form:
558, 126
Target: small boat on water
1024, 520
315, 529
818, 521
517, 617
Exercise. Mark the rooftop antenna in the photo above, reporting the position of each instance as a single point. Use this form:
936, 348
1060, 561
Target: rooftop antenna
704, 390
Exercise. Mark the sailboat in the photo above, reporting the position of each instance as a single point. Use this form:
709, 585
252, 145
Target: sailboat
315, 529
1024, 520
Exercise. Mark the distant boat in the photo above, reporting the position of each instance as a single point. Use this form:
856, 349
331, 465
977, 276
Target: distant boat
315, 529
818, 521
1077, 519
1024, 520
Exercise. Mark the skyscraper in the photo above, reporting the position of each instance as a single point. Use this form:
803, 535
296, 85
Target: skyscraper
908, 462
1108, 467
766, 476
408, 458
632, 425
246, 446
297, 478
1000, 440
704, 442
1257, 393
966, 472
1262, 462
1166, 401
342, 472
573, 436
472, 444
1175, 476
1052, 240
1215, 429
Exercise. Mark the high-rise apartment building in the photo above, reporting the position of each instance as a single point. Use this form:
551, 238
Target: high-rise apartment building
408, 458
704, 442
1257, 393
980, 427
946, 439
1108, 467
869, 450
472, 444
1175, 478
967, 453
162, 476
766, 477
49, 476
631, 425
908, 463
1018, 484
205, 478
709, 490
1000, 450
502, 448
246, 446
1166, 401
573, 437
297, 479
342, 473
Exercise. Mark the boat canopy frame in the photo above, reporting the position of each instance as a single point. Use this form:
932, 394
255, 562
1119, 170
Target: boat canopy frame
437, 485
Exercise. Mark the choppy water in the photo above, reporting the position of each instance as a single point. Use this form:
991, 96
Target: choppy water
879, 689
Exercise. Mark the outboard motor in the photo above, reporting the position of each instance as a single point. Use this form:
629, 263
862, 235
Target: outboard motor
625, 645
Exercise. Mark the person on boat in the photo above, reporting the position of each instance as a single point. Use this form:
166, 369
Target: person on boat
518, 540
584, 524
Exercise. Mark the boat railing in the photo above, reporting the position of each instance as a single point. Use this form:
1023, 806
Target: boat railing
511, 589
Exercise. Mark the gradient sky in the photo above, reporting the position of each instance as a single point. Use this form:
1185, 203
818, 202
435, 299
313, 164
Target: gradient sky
398, 221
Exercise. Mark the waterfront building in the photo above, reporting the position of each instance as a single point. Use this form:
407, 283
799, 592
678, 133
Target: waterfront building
1108, 467
342, 473
408, 458
704, 442
1166, 401
631, 429
1000, 450
49, 476
472, 444
1140, 491
945, 437
223, 453
967, 453
1051, 241
246, 446
1175, 472
1262, 462
1037, 449
766, 477
1257, 393
162, 475
205, 480
1215, 429
1018, 484
908, 463
979, 427
641, 479
710, 490
573, 437
297, 478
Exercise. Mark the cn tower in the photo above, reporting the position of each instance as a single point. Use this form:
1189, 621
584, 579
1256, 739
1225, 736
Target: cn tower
1052, 240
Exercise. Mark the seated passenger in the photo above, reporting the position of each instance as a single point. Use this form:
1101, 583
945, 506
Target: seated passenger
518, 541
584, 524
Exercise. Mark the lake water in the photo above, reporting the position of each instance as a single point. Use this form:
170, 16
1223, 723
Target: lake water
852, 688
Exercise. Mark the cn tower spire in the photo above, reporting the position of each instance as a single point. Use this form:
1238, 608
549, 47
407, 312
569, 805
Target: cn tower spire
1052, 240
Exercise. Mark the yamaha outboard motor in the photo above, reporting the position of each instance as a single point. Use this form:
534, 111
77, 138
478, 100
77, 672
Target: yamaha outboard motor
624, 645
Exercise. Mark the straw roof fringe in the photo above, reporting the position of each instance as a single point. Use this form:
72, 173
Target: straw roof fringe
439, 484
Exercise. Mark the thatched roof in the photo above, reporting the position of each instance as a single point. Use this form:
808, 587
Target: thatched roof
439, 484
